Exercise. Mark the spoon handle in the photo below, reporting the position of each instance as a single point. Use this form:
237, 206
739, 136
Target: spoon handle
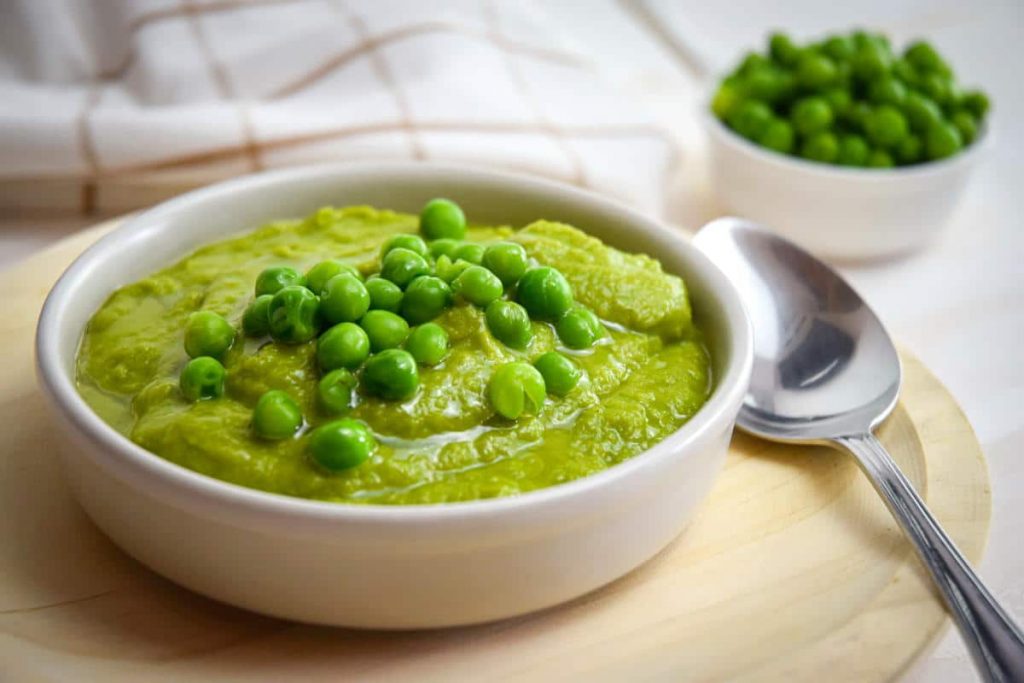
995, 641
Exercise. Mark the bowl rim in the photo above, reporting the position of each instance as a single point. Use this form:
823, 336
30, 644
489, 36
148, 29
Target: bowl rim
192, 490
721, 132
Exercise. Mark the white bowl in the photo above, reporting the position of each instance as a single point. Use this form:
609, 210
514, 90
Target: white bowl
837, 212
384, 566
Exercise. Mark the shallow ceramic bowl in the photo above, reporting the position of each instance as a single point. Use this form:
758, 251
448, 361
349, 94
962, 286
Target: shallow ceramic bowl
847, 214
384, 566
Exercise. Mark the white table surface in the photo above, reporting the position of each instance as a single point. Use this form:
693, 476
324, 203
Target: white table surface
957, 305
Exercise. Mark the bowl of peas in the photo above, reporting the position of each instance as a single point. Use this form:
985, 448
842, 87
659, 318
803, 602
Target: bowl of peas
849, 146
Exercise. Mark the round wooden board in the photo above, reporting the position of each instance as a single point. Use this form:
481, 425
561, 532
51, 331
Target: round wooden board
793, 570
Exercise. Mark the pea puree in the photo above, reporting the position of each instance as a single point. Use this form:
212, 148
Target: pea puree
644, 377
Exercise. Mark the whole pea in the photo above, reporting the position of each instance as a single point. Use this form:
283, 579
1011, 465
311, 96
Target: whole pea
966, 124
509, 323
428, 344
910, 150
579, 328
545, 293
425, 298
275, 278
336, 390
811, 115
341, 445
442, 219
516, 389
318, 275
976, 102
345, 345
385, 329
444, 247
888, 90
853, 150
778, 135
276, 416
783, 50
478, 285
344, 299
391, 375
560, 374
256, 318
921, 112
879, 158
385, 295
202, 378
871, 61
822, 147
208, 334
886, 126
448, 270
413, 243
470, 252
507, 260
839, 48
815, 71
943, 140
402, 266
294, 314
750, 118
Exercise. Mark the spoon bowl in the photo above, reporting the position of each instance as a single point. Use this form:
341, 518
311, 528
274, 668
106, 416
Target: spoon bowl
826, 371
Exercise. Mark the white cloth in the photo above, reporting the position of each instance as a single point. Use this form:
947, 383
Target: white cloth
138, 99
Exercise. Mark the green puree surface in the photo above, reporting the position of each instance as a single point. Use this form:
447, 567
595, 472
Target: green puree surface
641, 383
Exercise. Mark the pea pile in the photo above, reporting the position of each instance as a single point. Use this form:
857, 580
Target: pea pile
373, 334
849, 100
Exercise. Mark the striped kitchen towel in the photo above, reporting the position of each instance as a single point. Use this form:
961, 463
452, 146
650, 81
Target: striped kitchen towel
113, 105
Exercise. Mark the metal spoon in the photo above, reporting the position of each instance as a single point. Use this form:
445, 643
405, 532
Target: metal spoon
826, 372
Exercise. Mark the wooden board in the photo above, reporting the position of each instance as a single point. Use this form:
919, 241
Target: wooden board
793, 570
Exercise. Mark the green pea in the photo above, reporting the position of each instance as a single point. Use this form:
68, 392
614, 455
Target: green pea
208, 334
783, 50
448, 270
344, 299
811, 115
924, 57
336, 391
202, 378
471, 252
815, 71
426, 297
276, 278
509, 323
391, 375
413, 243
966, 124
579, 328
887, 90
345, 345
726, 99
937, 87
750, 118
444, 247
943, 140
977, 103
545, 293
428, 344
294, 315
910, 150
905, 71
752, 61
871, 61
840, 48
385, 329
886, 126
778, 135
442, 218
516, 389
507, 260
839, 100
478, 285
857, 114
402, 266
822, 147
318, 275
276, 416
341, 445
769, 84
560, 374
853, 150
256, 319
921, 112
879, 158
385, 295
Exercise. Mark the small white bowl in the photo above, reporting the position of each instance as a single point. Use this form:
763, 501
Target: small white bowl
384, 566
837, 212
